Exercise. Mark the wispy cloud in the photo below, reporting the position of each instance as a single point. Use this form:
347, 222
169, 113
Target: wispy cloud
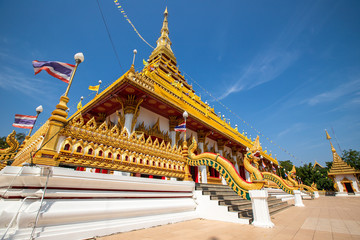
292, 129
264, 68
272, 62
18, 82
334, 94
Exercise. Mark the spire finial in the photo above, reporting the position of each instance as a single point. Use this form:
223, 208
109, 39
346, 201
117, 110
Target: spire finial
327, 135
164, 39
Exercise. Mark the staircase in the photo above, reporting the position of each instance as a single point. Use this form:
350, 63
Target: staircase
227, 197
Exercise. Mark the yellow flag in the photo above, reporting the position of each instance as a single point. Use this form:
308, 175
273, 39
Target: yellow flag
94, 88
79, 106
145, 62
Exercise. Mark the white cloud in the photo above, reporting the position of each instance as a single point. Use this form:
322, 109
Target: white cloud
334, 94
264, 68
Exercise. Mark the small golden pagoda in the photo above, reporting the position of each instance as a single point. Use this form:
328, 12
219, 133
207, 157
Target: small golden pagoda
345, 177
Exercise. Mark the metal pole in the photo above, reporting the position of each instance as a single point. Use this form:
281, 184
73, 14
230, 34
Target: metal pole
37, 114
72, 77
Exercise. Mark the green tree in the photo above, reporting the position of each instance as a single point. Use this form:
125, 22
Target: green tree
352, 157
308, 175
285, 166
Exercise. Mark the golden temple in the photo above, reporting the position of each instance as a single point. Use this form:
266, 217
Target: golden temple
117, 164
342, 174
85, 138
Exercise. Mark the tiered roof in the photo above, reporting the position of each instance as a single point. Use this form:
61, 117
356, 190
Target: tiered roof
339, 166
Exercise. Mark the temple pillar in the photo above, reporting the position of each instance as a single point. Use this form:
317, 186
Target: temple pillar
201, 141
234, 154
220, 146
131, 112
172, 124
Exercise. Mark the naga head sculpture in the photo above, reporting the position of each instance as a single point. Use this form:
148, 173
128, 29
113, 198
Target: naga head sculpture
292, 173
254, 152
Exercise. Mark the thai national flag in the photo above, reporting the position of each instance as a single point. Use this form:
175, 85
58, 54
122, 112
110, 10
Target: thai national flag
24, 121
263, 164
59, 70
181, 127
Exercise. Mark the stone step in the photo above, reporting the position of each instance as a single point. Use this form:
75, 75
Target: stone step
227, 197
211, 185
232, 201
219, 193
278, 208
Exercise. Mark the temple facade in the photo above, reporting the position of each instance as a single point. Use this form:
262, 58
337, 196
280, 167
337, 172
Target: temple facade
345, 177
118, 164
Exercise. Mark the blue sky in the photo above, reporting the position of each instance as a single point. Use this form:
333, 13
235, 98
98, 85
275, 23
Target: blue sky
290, 69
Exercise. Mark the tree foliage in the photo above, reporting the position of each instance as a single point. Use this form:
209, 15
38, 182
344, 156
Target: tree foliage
352, 157
285, 166
308, 175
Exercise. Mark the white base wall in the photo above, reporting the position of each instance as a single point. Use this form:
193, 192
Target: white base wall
79, 205
211, 210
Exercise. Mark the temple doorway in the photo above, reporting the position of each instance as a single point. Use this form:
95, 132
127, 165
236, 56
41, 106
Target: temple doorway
348, 187
194, 173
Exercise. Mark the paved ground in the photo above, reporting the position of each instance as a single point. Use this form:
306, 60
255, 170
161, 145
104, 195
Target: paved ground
322, 218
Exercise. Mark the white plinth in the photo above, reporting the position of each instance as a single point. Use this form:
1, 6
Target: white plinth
298, 199
341, 194
260, 209
210, 209
316, 194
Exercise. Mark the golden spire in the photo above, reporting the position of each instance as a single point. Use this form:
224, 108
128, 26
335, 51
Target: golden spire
163, 44
327, 135
164, 39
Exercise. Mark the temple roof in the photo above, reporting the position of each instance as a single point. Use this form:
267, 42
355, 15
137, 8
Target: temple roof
339, 166
316, 164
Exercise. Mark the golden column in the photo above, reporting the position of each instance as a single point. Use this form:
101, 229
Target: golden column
47, 153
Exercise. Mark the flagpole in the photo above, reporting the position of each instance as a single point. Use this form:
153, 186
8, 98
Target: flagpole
135, 52
39, 110
185, 115
98, 87
79, 58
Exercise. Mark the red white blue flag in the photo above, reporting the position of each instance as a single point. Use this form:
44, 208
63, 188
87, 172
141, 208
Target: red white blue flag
59, 70
263, 164
181, 127
24, 121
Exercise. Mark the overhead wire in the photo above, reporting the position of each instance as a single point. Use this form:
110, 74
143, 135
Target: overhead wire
108, 32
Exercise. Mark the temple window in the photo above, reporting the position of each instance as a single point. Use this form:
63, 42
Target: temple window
90, 151
78, 149
126, 158
141, 161
67, 147
100, 153
147, 162
118, 156
109, 155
